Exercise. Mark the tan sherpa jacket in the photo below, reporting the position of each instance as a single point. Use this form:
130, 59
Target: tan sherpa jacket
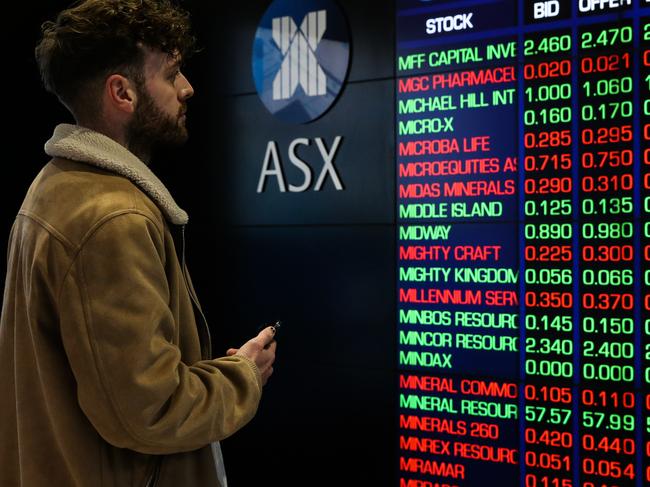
103, 381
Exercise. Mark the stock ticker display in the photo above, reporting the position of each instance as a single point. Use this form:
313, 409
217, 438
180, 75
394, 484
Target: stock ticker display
523, 204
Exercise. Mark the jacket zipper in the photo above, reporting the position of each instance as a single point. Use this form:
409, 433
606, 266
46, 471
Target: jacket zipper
151, 482
204, 322
153, 478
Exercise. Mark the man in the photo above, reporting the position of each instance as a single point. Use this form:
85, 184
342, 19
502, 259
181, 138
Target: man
106, 373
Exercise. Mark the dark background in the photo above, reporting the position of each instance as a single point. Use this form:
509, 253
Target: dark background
322, 262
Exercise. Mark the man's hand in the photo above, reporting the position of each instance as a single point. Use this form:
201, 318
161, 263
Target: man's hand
260, 350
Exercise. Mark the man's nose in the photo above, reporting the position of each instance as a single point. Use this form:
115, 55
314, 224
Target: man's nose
186, 88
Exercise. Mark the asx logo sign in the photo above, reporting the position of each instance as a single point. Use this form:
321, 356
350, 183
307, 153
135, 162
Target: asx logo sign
300, 58
299, 48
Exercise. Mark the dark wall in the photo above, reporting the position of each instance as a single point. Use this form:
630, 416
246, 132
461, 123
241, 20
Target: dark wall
322, 262
29, 113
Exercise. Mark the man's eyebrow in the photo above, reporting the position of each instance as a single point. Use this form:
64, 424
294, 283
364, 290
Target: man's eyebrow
174, 65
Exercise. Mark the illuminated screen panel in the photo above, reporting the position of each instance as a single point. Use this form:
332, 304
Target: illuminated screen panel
523, 197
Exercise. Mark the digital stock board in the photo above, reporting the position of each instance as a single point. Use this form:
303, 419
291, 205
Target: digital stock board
523, 245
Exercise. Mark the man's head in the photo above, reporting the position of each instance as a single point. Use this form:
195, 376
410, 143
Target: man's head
118, 62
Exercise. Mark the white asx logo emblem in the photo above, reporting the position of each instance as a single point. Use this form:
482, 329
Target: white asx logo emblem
299, 65
300, 58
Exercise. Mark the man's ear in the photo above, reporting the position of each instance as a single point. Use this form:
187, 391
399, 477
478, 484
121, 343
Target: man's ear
120, 93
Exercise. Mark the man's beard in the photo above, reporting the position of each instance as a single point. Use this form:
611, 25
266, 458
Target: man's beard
151, 129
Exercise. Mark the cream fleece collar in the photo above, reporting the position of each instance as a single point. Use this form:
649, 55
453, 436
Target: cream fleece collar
84, 145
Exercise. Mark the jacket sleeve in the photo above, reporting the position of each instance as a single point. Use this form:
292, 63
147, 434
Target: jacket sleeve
118, 332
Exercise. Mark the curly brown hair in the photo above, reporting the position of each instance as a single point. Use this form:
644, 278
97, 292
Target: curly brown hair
96, 38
